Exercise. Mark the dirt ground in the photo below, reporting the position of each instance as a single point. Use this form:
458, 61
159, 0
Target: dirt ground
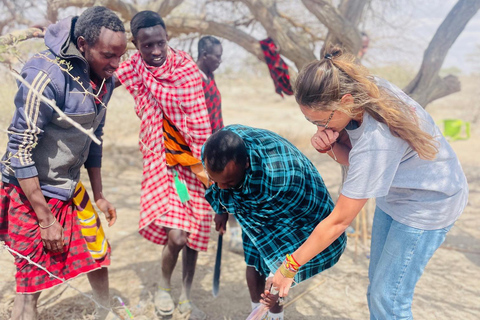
449, 289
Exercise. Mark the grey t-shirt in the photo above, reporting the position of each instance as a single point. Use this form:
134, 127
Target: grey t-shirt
419, 193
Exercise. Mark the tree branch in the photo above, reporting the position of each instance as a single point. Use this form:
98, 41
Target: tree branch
293, 46
20, 35
427, 85
305, 29
166, 6
126, 10
177, 26
14, 12
341, 25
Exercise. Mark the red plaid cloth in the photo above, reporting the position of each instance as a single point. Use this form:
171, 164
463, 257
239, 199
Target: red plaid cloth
213, 100
277, 67
174, 89
20, 231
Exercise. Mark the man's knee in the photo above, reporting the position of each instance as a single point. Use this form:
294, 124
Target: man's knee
177, 239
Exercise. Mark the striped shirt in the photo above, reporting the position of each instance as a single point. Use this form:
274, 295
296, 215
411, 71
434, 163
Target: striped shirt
280, 202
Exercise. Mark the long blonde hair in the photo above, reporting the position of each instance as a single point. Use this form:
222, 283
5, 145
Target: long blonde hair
322, 82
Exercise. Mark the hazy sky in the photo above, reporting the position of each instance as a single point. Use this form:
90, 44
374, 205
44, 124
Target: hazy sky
420, 22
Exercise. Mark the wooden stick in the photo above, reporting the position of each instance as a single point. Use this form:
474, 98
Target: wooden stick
304, 293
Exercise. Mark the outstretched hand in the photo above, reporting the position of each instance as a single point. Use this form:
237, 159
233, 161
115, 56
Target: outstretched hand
282, 284
108, 209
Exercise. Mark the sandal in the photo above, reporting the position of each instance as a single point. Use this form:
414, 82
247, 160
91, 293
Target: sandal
187, 308
163, 301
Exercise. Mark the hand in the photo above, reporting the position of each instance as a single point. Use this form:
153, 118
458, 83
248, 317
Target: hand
268, 298
221, 222
52, 237
201, 174
108, 209
323, 139
282, 284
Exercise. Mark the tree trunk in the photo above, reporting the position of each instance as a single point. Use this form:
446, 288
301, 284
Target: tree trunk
342, 30
427, 85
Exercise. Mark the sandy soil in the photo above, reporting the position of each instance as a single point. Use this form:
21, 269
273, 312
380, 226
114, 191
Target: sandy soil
449, 289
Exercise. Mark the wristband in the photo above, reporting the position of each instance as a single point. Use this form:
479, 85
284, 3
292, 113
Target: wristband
46, 227
287, 273
330, 147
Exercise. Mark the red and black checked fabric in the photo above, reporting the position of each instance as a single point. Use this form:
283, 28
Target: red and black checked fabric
277, 67
213, 100
20, 231
174, 90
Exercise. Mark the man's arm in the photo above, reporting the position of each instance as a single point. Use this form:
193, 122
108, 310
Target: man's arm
30, 117
51, 231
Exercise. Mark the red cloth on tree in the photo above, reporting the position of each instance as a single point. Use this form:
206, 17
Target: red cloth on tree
277, 67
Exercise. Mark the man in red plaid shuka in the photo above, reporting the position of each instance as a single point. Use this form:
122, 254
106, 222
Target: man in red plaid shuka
167, 86
209, 58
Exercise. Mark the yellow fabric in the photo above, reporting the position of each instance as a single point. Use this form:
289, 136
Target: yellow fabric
91, 228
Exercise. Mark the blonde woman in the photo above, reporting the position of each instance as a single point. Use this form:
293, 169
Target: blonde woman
395, 154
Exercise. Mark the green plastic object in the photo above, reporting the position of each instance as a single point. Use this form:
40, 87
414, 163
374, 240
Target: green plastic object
456, 129
181, 189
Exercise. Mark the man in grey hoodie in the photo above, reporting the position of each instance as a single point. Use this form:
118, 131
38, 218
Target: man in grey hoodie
41, 167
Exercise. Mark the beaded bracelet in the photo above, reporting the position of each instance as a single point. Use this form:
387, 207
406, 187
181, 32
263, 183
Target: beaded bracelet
289, 267
291, 263
46, 227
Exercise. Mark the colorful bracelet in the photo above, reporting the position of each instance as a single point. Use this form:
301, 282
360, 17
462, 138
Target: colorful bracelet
291, 263
287, 273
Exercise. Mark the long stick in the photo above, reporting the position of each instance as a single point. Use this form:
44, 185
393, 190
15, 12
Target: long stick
303, 293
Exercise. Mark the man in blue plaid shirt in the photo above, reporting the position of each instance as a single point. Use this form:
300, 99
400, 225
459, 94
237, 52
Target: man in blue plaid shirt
277, 196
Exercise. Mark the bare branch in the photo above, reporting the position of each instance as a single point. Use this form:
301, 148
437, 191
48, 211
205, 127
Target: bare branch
293, 46
305, 29
427, 85
177, 26
341, 31
126, 10
166, 6
62, 115
15, 13
20, 35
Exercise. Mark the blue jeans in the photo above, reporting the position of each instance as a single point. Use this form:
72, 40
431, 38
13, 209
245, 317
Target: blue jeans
398, 256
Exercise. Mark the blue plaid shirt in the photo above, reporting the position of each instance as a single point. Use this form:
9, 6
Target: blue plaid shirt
280, 202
